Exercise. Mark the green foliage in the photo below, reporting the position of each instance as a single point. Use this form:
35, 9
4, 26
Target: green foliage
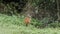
8, 9
15, 25
20, 21
11, 19
54, 25
46, 22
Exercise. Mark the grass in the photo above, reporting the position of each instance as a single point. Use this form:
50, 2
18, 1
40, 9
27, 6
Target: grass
15, 25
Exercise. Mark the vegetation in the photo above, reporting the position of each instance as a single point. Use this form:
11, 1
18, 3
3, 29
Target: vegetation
15, 25
45, 16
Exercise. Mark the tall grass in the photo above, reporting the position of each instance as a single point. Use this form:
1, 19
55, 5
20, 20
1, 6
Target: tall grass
15, 25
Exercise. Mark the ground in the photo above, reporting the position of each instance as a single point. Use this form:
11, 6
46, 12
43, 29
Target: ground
15, 25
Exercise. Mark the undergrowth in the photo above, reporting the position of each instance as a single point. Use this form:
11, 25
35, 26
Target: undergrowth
15, 25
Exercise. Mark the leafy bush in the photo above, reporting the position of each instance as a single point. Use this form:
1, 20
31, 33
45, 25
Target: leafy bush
45, 23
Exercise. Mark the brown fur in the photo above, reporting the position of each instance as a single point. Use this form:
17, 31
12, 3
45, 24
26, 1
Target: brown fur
27, 20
